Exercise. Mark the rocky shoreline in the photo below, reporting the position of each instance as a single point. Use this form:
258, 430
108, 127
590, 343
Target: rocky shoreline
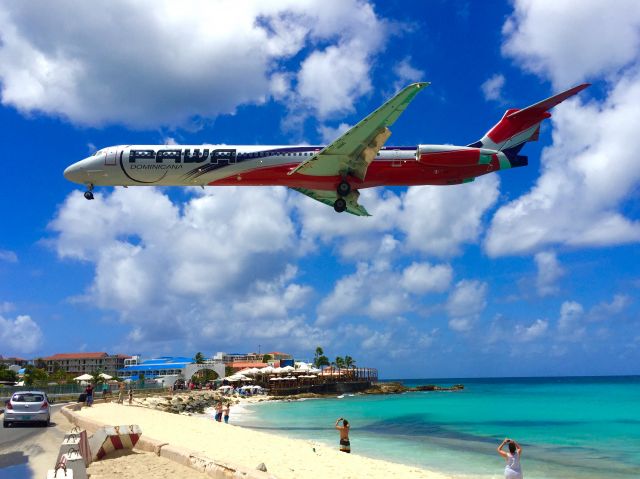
399, 388
196, 402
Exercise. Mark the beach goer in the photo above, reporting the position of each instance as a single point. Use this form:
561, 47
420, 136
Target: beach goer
120, 393
106, 391
227, 408
89, 392
218, 415
345, 444
130, 395
512, 470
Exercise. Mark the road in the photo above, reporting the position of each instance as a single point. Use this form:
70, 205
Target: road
26, 451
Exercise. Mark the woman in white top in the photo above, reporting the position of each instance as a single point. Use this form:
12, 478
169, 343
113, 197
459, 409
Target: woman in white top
512, 470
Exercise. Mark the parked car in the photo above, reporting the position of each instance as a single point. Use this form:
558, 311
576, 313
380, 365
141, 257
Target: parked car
27, 406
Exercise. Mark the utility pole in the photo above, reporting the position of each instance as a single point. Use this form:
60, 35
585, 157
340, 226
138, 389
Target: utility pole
259, 348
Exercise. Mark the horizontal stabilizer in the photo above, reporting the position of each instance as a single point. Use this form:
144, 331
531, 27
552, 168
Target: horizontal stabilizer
546, 105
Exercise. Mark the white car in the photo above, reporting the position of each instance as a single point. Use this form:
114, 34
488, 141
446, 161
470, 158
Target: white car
27, 406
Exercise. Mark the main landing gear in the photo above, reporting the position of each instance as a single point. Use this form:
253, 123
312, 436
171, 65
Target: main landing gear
340, 205
89, 193
343, 189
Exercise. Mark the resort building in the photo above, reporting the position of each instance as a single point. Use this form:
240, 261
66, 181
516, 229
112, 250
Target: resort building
166, 370
81, 363
240, 361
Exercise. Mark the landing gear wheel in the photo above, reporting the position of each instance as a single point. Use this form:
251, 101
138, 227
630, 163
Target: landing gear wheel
88, 195
340, 205
344, 188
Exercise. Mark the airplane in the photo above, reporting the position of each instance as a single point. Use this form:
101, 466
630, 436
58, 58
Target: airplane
331, 174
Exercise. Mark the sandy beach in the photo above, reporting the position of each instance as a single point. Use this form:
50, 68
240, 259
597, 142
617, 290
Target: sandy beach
284, 457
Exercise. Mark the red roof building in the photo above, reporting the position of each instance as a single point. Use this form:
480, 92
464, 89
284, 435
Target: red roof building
81, 363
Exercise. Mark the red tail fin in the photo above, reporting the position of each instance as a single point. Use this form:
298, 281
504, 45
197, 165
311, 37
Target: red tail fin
519, 126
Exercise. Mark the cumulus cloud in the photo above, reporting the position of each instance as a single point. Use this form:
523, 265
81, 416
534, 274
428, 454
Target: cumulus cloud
421, 278
431, 220
549, 271
573, 41
492, 88
465, 303
195, 265
380, 291
591, 169
147, 64
21, 335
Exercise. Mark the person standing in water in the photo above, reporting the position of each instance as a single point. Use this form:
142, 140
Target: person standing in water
512, 470
345, 444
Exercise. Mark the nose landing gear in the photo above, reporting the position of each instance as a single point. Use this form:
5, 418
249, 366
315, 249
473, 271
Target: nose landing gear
89, 193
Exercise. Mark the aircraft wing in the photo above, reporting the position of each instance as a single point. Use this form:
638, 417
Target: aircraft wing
328, 197
352, 152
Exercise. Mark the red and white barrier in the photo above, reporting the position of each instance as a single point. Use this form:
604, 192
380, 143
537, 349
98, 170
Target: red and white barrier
110, 438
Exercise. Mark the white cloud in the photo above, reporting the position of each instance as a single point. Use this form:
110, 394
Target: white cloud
406, 74
21, 335
531, 332
570, 324
380, 291
329, 134
421, 278
465, 303
8, 256
147, 64
549, 271
439, 220
198, 266
432, 220
492, 88
588, 172
605, 311
592, 167
572, 41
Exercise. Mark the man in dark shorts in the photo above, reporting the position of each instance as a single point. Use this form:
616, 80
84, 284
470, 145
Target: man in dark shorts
345, 445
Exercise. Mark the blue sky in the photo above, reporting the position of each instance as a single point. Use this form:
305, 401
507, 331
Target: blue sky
526, 272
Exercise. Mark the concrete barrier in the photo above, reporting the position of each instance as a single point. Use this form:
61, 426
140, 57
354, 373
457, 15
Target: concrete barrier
150, 445
216, 469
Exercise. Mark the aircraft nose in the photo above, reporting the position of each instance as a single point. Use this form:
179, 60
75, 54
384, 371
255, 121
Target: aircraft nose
74, 173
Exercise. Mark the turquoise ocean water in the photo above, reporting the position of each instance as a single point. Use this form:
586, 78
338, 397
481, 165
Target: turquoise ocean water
587, 427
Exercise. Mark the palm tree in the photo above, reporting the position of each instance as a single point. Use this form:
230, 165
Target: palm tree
349, 362
339, 362
319, 352
199, 358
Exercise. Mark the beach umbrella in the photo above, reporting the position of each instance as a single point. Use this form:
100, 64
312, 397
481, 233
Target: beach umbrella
84, 377
105, 376
274, 379
314, 370
267, 370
